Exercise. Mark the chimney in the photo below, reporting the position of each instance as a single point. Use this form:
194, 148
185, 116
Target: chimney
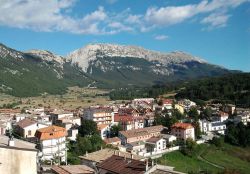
118, 153
132, 156
86, 153
11, 142
124, 157
152, 163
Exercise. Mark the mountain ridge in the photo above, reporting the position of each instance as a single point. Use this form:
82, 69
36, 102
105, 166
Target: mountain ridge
35, 72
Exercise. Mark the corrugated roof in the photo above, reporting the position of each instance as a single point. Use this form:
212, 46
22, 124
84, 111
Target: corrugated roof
119, 165
73, 169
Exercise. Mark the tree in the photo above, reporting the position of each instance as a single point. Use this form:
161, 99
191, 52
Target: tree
88, 127
193, 113
217, 141
197, 129
114, 130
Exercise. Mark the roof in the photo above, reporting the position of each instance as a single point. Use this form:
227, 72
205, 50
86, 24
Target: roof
26, 122
73, 169
153, 139
182, 126
142, 131
18, 144
112, 140
51, 132
223, 114
167, 101
118, 164
102, 126
103, 154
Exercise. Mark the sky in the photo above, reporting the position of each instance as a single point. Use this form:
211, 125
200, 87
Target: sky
218, 31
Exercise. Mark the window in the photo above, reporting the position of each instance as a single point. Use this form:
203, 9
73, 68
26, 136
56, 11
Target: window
51, 134
29, 132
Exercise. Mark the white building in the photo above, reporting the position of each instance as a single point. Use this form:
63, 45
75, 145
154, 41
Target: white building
27, 128
169, 138
207, 126
52, 142
155, 144
183, 131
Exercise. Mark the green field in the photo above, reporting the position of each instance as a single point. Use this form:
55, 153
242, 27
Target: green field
227, 157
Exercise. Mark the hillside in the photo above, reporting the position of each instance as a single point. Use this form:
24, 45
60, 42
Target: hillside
233, 88
109, 66
28, 74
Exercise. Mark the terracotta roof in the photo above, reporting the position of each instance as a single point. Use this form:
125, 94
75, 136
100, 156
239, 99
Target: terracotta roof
112, 140
118, 165
153, 139
223, 114
73, 169
102, 126
123, 118
167, 101
51, 132
182, 126
10, 111
26, 122
142, 131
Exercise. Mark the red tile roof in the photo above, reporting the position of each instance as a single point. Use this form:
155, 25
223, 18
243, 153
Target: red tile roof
102, 126
112, 140
51, 132
118, 165
182, 126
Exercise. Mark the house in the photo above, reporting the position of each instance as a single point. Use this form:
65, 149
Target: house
52, 142
17, 156
103, 130
57, 114
113, 141
183, 131
169, 138
26, 128
135, 147
223, 116
138, 101
207, 126
122, 165
180, 108
5, 126
155, 144
72, 169
129, 122
167, 104
100, 115
140, 134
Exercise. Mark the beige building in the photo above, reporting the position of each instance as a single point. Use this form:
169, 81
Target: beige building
17, 157
183, 131
100, 115
143, 134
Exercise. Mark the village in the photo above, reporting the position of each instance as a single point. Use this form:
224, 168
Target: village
133, 135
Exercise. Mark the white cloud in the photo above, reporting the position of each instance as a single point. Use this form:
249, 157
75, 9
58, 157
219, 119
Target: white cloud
216, 20
171, 15
54, 15
111, 1
161, 37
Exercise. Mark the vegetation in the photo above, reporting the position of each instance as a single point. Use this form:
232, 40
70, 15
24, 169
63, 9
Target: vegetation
209, 158
88, 140
114, 130
238, 134
232, 88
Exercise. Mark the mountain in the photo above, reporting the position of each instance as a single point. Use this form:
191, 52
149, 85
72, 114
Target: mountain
36, 72
119, 65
